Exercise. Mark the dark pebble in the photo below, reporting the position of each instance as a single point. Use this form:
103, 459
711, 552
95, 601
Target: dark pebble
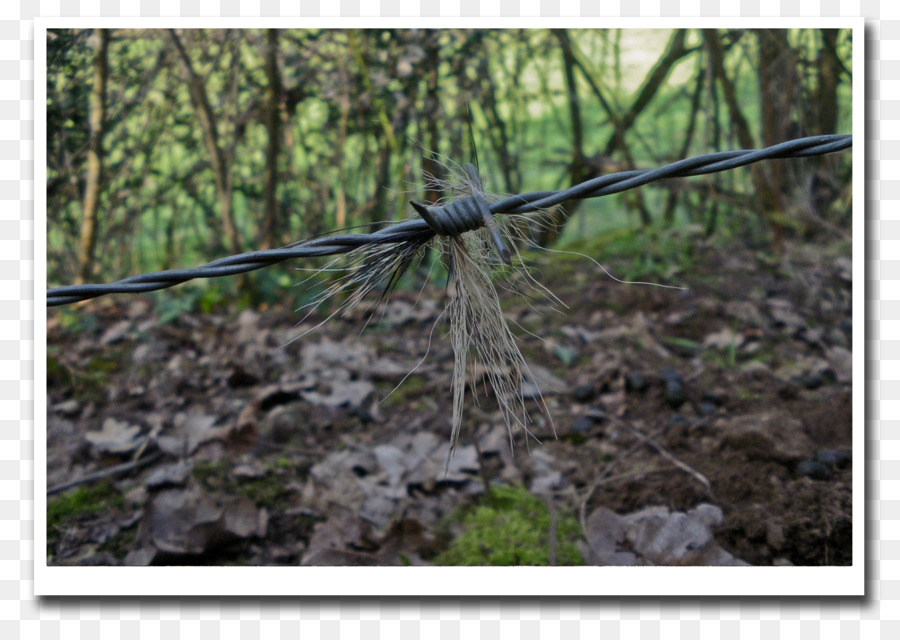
240, 377
834, 459
847, 326
636, 382
598, 415
584, 393
814, 381
789, 391
814, 470
583, 426
707, 408
677, 421
820, 379
712, 398
675, 394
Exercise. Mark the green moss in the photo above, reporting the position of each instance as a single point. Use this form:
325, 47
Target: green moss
120, 544
269, 491
512, 529
83, 501
413, 386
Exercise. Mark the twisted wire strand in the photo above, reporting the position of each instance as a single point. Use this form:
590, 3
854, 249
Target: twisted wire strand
420, 231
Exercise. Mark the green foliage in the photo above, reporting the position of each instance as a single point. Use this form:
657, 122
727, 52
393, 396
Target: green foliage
636, 255
512, 529
358, 108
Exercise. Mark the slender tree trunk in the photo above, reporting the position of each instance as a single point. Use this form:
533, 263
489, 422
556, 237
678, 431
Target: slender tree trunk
829, 77
549, 233
430, 164
220, 164
777, 83
767, 189
273, 145
675, 51
824, 120
497, 133
717, 60
94, 183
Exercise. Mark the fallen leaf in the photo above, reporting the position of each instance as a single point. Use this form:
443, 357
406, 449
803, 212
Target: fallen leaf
116, 437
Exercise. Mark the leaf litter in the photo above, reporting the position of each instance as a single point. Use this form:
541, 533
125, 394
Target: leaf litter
387, 470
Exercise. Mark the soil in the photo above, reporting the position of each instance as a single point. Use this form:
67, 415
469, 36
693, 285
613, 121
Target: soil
735, 392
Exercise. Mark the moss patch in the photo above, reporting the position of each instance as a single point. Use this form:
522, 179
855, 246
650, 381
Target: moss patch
83, 501
512, 529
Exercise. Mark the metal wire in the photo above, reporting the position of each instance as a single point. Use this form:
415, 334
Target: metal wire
419, 230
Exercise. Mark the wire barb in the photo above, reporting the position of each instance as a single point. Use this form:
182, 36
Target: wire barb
463, 212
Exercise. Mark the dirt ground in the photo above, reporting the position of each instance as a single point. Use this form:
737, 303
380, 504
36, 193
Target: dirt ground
710, 425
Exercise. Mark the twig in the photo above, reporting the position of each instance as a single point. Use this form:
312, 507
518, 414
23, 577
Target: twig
103, 474
699, 477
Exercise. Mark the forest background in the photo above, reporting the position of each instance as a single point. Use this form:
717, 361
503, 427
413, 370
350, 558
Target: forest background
192, 425
176, 147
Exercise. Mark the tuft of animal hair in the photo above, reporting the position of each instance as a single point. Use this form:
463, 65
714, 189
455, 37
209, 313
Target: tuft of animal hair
480, 334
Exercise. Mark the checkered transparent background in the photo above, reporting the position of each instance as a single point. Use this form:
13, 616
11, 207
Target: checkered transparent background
21, 615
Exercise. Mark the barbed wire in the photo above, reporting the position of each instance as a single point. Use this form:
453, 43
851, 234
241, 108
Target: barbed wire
419, 231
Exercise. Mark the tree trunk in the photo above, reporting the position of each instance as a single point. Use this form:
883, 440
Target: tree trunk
674, 52
777, 83
94, 182
273, 145
548, 233
829, 77
220, 164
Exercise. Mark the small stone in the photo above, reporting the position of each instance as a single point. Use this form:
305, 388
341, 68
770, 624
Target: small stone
249, 471
677, 421
240, 377
636, 382
834, 459
598, 415
819, 379
137, 496
771, 435
584, 393
583, 426
707, 408
142, 557
67, 407
788, 391
675, 394
170, 475
813, 382
847, 326
775, 537
813, 470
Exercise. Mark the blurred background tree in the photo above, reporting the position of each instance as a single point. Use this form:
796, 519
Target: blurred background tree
170, 148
